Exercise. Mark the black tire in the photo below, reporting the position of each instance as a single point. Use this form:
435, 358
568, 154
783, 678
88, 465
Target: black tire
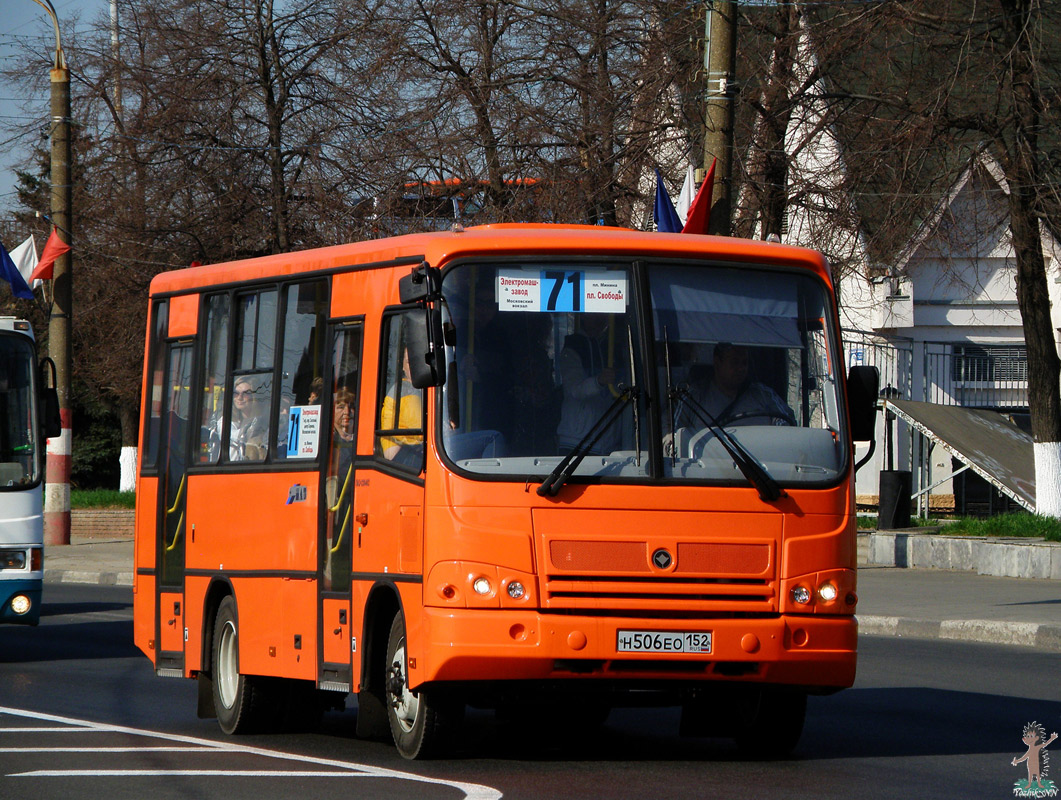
240, 701
772, 724
421, 722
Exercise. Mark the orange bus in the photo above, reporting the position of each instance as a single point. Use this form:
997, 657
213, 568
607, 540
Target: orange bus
529, 467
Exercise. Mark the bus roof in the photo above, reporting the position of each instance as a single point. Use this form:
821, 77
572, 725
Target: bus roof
438, 248
17, 325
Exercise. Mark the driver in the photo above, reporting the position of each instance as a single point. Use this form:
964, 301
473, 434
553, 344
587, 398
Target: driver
731, 397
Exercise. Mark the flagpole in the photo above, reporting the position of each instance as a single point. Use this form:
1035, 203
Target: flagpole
57, 476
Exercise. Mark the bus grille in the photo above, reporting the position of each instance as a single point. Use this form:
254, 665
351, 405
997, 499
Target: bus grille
706, 577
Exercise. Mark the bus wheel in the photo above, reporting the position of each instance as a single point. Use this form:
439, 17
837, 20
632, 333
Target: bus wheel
420, 722
239, 700
773, 727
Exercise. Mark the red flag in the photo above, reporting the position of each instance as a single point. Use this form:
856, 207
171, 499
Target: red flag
700, 210
54, 248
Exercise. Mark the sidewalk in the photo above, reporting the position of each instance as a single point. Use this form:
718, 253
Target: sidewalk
893, 601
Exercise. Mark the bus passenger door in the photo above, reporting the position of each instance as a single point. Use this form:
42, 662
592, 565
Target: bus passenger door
339, 527
173, 489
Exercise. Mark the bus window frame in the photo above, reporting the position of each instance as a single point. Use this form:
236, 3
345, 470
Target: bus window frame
156, 345
36, 426
380, 460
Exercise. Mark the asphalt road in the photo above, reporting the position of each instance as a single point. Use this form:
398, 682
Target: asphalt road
82, 715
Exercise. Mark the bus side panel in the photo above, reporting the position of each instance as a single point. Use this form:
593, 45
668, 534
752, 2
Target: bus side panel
144, 609
259, 606
146, 523
245, 522
277, 627
392, 528
171, 631
298, 657
195, 620
144, 615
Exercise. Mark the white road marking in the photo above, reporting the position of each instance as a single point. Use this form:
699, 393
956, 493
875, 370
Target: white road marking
346, 769
42, 729
184, 773
175, 749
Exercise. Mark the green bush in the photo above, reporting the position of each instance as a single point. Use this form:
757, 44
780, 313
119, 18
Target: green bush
1017, 524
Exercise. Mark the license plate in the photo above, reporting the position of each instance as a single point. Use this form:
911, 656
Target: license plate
663, 642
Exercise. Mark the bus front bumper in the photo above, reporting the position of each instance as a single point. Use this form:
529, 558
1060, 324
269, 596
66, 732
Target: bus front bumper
816, 652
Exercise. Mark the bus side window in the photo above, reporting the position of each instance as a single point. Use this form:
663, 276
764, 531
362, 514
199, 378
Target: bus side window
305, 309
154, 406
248, 432
218, 310
400, 424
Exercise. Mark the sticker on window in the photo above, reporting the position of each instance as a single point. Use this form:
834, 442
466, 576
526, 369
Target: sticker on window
303, 431
569, 291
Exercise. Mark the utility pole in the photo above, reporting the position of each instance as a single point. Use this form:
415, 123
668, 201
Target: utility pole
720, 65
57, 475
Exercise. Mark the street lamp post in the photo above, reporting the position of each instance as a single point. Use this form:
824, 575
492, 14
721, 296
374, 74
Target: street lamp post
57, 476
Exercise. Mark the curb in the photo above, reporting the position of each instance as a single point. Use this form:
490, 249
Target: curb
88, 576
996, 557
1020, 634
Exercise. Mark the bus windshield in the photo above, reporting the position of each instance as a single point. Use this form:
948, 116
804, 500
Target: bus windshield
19, 464
548, 359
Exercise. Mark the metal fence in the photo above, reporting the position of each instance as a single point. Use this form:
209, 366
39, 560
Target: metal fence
947, 373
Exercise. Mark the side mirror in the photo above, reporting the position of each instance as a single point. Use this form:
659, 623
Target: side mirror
423, 284
50, 419
862, 387
426, 353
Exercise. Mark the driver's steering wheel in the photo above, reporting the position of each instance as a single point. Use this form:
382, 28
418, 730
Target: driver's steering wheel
785, 418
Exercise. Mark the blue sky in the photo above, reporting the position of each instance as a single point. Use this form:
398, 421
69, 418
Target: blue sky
24, 23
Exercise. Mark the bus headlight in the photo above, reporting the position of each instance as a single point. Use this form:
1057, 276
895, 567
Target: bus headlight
515, 590
800, 594
482, 586
827, 592
20, 604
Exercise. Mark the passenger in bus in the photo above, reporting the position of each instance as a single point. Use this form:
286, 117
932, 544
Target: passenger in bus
732, 398
402, 408
586, 380
342, 453
247, 431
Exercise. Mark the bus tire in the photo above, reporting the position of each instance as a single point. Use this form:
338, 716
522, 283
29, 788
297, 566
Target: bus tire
239, 700
773, 727
421, 722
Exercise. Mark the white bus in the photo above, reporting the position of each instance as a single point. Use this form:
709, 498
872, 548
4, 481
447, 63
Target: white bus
28, 414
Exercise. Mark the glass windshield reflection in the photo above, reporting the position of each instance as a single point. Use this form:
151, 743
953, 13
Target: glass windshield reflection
538, 353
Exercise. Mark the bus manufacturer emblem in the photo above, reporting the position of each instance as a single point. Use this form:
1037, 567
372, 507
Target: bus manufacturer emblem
296, 494
662, 558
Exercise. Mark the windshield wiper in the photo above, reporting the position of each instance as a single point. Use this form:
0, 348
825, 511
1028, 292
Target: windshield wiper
769, 490
569, 463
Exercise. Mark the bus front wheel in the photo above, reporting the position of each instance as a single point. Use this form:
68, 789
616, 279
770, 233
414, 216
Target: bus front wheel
239, 700
420, 722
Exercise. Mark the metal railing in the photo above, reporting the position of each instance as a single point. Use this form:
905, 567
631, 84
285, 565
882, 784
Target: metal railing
947, 373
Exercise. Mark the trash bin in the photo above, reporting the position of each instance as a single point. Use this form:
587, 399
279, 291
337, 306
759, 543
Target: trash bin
894, 510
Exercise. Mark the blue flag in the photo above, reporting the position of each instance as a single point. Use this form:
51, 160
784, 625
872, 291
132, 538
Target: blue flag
663, 213
9, 272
